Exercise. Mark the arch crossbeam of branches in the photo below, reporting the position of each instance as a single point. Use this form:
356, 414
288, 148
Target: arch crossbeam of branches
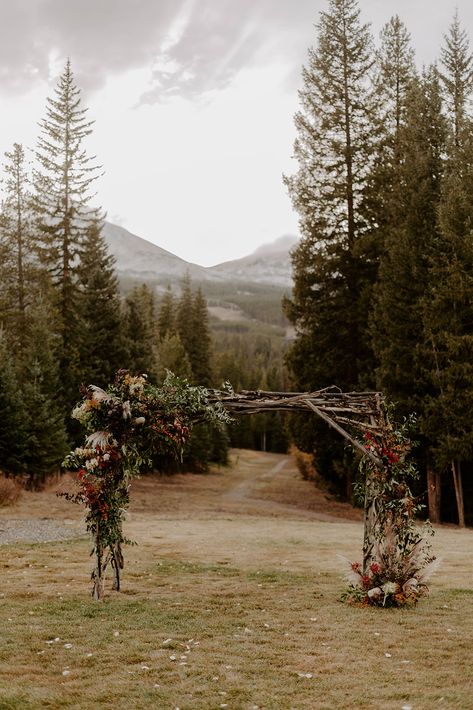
343, 411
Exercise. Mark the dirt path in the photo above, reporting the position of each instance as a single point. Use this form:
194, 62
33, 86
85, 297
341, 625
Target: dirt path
208, 509
246, 488
250, 491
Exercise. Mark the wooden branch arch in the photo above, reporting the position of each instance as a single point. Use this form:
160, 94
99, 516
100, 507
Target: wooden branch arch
348, 413
131, 420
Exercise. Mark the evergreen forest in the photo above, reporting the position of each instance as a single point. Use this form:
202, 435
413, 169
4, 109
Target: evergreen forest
383, 273
383, 279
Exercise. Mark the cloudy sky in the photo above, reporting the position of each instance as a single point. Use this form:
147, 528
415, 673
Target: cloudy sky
193, 102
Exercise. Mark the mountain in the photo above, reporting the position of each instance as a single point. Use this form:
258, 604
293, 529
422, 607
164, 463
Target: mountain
270, 263
139, 259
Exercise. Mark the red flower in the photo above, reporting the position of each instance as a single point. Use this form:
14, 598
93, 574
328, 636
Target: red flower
374, 568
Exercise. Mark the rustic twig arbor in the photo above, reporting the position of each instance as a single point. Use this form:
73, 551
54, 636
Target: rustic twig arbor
131, 421
351, 414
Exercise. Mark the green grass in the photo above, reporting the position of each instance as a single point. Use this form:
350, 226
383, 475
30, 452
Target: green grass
185, 634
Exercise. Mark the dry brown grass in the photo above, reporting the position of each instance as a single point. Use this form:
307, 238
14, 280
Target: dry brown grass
230, 601
10, 491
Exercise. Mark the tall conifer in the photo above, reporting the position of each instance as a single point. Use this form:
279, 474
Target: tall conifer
448, 320
394, 75
101, 344
13, 436
410, 239
167, 315
46, 437
334, 148
457, 75
202, 356
62, 194
140, 331
19, 273
185, 318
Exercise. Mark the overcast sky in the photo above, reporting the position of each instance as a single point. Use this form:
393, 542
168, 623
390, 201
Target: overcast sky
193, 102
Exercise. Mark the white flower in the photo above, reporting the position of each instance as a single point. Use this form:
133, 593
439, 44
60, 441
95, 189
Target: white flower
140, 420
75, 412
99, 394
375, 593
98, 438
390, 588
126, 410
90, 464
80, 413
136, 385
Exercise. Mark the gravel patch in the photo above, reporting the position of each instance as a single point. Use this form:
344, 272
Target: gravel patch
36, 530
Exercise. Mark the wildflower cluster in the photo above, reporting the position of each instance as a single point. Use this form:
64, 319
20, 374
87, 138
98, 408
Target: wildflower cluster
393, 579
397, 556
127, 425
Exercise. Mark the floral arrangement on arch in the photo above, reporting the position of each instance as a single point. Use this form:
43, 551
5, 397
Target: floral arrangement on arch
126, 425
398, 566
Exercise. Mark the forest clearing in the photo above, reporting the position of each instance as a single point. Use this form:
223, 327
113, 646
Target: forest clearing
231, 600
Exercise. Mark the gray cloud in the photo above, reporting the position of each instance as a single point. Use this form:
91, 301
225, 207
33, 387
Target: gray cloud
102, 37
213, 39
105, 37
222, 37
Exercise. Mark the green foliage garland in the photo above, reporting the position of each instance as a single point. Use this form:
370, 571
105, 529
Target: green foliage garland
127, 425
397, 566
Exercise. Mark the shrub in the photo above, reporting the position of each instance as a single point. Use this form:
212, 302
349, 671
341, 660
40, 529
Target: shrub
305, 464
10, 491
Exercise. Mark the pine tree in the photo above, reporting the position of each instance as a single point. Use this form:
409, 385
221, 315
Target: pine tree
63, 213
395, 73
457, 77
46, 437
448, 319
172, 356
167, 315
334, 148
13, 436
19, 273
101, 345
396, 69
201, 361
192, 322
185, 318
140, 331
410, 239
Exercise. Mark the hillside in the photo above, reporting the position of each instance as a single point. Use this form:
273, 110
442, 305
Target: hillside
250, 288
137, 258
270, 263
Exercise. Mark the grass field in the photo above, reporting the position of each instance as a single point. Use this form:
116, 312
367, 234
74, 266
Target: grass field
230, 600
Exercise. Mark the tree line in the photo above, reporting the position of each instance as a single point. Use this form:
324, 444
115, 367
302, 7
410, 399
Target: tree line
383, 275
63, 320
